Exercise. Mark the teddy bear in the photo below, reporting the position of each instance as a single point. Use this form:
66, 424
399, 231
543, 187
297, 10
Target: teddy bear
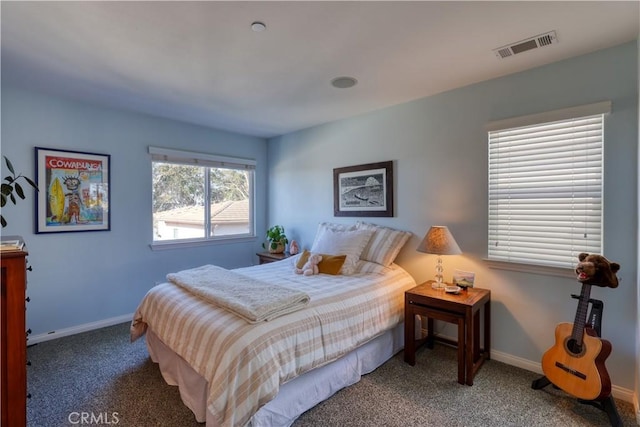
311, 266
597, 270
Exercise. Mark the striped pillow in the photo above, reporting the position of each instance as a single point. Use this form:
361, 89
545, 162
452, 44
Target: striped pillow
370, 268
384, 245
350, 243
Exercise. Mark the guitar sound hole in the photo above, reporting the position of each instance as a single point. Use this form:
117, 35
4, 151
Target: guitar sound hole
574, 347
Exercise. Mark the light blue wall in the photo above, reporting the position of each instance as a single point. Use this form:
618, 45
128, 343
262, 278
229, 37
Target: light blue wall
438, 145
637, 398
86, 277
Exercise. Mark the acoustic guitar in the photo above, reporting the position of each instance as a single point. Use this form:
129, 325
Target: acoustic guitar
576, 362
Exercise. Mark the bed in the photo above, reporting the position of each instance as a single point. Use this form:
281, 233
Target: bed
232, 372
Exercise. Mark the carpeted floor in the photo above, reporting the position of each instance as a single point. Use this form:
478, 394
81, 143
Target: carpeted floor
109, 381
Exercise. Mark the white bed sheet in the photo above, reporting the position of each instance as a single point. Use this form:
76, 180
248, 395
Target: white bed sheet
295, 397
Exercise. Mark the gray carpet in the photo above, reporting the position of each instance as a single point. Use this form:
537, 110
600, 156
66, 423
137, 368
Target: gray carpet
101, 374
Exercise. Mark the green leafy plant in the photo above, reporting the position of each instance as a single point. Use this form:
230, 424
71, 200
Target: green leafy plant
276, 237
11, 188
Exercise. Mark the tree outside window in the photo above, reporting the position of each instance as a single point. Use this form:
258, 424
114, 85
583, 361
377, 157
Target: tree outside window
192, 202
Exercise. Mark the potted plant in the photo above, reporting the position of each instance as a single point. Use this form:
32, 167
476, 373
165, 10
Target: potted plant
11, 185
276, 239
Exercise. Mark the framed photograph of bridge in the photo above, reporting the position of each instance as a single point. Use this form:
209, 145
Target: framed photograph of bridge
363, 190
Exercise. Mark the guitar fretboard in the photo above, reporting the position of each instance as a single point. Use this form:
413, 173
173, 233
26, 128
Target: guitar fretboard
581, 315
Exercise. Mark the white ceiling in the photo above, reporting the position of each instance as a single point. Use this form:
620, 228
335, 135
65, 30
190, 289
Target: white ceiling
200, 62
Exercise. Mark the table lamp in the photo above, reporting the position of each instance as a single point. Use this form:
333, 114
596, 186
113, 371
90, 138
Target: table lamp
439, 241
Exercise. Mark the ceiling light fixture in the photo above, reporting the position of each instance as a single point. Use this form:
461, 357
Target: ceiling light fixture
258, 26
343, 82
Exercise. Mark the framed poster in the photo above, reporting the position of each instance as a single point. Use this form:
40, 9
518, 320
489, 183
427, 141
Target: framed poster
73, 191
363, 190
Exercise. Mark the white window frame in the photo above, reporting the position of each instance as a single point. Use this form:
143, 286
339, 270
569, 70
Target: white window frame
191, 158
531, 245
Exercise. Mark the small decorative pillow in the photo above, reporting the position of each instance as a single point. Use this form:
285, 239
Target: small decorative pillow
384, 245
350, 243
330, 264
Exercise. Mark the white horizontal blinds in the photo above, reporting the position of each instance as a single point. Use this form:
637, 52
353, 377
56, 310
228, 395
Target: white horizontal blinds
545, 191
201, 159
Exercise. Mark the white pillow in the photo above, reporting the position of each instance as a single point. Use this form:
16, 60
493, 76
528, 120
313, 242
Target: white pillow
333, 227
348, 242
384, 245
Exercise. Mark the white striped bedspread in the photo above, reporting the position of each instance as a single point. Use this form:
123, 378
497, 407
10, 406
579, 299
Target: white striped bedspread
244, 363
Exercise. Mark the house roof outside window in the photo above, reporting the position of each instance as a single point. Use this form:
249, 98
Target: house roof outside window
228, 212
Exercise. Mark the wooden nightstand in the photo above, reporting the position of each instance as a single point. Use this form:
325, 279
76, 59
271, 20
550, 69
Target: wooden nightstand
462, 309
267, 257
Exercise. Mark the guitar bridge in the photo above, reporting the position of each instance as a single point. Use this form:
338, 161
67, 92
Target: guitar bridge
571, 371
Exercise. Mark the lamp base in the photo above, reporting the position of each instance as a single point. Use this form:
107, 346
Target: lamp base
438, 285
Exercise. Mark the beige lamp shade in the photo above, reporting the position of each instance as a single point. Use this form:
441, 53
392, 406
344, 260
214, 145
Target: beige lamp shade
439, 241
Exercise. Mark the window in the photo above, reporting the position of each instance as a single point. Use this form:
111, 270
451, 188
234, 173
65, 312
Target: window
545, 186
201, 197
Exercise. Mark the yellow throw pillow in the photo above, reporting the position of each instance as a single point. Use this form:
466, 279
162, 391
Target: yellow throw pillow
303, 259
330, 264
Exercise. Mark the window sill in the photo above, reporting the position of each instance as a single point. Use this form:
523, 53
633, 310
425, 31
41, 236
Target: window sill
531, 268
169, 245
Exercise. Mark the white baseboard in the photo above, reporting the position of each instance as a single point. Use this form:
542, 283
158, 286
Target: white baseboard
618, 392
516, 361
35, 339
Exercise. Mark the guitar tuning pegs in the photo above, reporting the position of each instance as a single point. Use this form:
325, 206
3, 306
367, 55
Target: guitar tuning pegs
27, 299
30, 268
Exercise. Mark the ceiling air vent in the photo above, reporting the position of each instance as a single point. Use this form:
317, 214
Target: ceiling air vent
524, 45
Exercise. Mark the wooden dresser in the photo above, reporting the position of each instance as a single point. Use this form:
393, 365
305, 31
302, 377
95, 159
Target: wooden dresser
13, 343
